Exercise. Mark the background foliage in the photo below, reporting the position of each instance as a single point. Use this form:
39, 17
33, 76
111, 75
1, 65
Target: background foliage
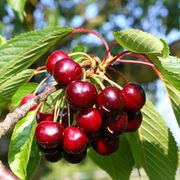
158, 17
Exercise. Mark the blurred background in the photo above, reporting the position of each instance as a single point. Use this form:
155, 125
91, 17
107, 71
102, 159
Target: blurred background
161, 18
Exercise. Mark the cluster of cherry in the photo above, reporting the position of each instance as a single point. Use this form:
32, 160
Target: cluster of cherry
99, 117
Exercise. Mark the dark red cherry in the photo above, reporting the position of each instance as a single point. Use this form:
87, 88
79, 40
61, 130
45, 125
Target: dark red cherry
110, 101
81, 95
134, 97
49, 133
94, 136
74, 158
66, 70
106, 145
53, 58
26, 98
65, 117
53, 157
75, 140
43, 117
89, 120
48, 150
134, 120
115, 126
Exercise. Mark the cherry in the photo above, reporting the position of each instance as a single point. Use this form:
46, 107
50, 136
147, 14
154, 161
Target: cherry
49, 133
89, 120
43, 117
115, 126
53, 58
66, 71
75, 140
94, 136
26, 98
110, 101
65, 117
48, 150
134, 121
74, 158
81, 95
105, 145
53, 157
134, 97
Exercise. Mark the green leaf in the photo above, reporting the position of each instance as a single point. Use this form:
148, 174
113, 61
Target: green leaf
78, 48
170, 68
8, 88
22, 91
51, 100
20, 145
138, 41
34, 160
118, 165
2, 40
22, 51
17, 5
174, 96
158, 149
165, 49
136, 149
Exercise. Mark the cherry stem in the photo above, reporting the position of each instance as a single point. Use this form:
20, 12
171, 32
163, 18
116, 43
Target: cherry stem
146, 62
63, 101
57, 106
113, 69
91, 55
108, 80
96, 34
81, 53
41, 84
109, 51
109, 76
69, 118
98, 81
134, 62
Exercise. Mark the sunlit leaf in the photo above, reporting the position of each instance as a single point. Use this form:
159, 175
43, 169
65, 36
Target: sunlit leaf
174, 96
17, 5
9, 87
20, 52
20, 145
138, 41
158, 149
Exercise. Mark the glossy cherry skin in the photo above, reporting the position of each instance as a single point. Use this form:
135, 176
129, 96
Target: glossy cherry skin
53, 58
89, 120
26, 98
43, 117
54, 157
65, 117
115, 126
75, 141
105, 145
74, 158
66, 70
81, 95
134, 121
49, 133
110, 101
134, 97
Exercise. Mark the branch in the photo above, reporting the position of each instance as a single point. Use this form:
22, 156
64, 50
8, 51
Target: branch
5, 174
20, 112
